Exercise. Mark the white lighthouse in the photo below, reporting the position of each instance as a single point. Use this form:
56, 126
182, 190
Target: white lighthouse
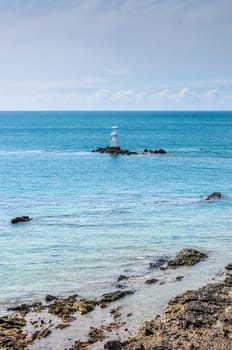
114, 141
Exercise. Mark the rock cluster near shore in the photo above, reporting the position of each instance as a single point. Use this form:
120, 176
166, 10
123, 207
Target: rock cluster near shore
187, 257
119, 151
191, 319
195, 320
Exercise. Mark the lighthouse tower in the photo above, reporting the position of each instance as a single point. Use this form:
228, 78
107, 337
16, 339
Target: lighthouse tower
114, 141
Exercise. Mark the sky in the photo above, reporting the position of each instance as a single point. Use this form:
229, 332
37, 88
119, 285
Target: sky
115, 55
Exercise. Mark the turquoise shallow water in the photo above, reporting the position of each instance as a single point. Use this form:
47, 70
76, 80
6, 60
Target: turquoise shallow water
96, 215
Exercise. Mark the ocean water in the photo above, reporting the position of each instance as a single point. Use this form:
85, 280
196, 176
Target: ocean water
97, 216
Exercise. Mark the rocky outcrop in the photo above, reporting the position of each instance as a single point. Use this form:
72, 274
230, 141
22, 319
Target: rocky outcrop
20, 219
229, 267
158, 263
110, 297
157, 151
119, 151
187, 257
195, 320
11, 333
23, 309
214, 195
115, 151
66, 307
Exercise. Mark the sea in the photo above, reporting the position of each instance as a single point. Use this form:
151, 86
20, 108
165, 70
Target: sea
97, 216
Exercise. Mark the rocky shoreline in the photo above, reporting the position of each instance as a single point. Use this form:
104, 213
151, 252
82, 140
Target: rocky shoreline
193, 320
199, 319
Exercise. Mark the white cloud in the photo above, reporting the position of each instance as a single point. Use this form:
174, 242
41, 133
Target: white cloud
174, 95
212, 93
103, 94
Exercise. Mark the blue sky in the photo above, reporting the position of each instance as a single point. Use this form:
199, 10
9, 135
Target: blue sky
115, 54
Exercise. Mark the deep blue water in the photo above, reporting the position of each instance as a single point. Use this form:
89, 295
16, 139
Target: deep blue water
96, 215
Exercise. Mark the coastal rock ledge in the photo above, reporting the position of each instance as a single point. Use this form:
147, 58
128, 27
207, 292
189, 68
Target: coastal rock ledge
187, 257
195, 320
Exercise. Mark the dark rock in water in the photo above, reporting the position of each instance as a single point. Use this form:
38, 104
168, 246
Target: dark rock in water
229, 267
50, 298
65, 307
109, 297
20, 219
115, 151
113, 345
179, 278
145, 151
122, 278
214, 195
148, 330
158, 263
151, 281
84, 306
158, 151
187, 257
24, 308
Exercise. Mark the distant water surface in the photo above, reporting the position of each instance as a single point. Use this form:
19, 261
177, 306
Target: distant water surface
96, 215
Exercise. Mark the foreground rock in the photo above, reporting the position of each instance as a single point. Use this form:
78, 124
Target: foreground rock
214, 195
20, 219
11, 333
187, 257
200, 319
66, 307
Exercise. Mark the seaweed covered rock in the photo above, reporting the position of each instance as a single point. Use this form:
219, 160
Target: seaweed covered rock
66, 307
187, 257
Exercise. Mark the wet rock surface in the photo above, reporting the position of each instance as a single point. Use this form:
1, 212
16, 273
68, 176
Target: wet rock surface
11, 333
151, 281
66, 307
110, 297
229, 267
200, 319
187, 257
19, 219
158, 263
113, 345
214, 195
